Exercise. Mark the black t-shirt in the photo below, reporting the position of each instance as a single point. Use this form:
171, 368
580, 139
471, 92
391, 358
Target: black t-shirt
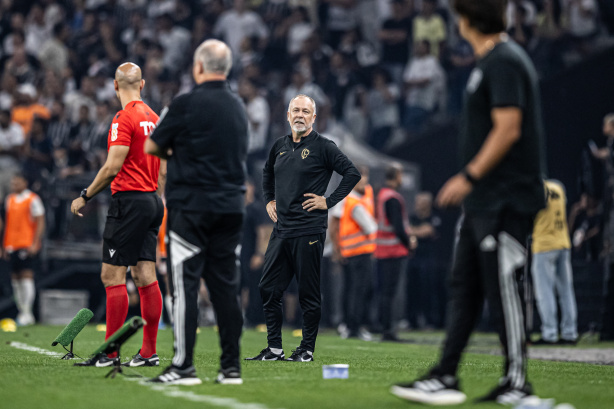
425, 244
397, 52
505, 77
295, 169
207, 131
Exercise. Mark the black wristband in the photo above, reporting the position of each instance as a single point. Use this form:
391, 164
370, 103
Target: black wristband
468, 176
84, 195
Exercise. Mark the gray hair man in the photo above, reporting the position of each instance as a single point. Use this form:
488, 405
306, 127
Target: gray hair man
204, 135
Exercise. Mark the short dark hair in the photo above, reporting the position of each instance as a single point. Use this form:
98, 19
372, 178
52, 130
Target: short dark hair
486, 16
392, 171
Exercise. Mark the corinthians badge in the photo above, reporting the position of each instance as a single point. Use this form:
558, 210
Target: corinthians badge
305, 153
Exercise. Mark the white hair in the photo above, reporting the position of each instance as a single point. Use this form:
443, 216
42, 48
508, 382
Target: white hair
303, 96
215, 56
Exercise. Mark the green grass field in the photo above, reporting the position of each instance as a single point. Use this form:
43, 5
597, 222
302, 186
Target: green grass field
33, 380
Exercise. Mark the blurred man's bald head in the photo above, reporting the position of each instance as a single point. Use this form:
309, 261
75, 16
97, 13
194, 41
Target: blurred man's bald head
215, 57
128, 76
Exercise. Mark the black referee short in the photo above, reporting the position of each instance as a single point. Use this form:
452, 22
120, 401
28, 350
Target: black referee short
131, 231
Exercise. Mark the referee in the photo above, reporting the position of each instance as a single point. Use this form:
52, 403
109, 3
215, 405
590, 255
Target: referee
134, 217
204, 136
295, 177
501, 191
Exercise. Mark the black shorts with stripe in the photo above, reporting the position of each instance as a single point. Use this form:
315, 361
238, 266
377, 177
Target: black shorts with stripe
131, 231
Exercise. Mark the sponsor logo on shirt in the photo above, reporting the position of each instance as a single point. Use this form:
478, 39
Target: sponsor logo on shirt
114, 132
305, 153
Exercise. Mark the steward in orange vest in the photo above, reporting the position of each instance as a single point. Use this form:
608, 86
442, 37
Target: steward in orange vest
353, 229
23, 230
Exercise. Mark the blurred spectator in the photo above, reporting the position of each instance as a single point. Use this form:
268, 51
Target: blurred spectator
25, 107
339, 81
38, 155
511, 13
236, 24
175, 41
53, 53
299, 28
424, 79
58, 132
85, 96
382, 108
36, 30
422, 308
395, 37
301, 85
16, 37
585, 220
429, 26
158, 8
582, 18
258, 115
20, 66
459, 60
7, 90
521, 31
339, 17
12, 140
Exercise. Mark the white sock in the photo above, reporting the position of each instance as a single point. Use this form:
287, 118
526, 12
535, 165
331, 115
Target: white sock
168, 304
276, 351
29, 293
310, 353
17, 294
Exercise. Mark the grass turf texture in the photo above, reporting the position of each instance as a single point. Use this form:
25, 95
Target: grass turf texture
30, 380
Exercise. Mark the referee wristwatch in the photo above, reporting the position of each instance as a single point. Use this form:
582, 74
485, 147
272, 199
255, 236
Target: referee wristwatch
84, 195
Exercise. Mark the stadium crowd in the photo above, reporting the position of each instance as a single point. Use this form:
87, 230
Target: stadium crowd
382, 70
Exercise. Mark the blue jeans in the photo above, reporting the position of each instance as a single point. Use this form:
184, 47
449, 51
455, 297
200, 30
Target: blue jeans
552, 271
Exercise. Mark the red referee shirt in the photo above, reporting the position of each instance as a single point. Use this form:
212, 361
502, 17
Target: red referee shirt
131, 127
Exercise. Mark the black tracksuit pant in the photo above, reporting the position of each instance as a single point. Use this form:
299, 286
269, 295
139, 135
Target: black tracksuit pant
285, 258
388, 273
358, 278
203, 244
489, 254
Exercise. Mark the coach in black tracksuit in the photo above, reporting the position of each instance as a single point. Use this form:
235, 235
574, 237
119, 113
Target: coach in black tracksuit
296, 174
205, 134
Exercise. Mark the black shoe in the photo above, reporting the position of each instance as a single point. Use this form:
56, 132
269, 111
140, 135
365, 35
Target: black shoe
390, 337
572, 342
176, 376
267, 355
230, 376
542, 341
300, 355
505, 394
138, 360
432, 390
99, 361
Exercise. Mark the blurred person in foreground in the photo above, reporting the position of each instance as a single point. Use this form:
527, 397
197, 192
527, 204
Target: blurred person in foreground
501, 190
205, 201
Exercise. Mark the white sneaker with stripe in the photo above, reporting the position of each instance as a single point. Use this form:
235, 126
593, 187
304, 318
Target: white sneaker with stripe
433, 390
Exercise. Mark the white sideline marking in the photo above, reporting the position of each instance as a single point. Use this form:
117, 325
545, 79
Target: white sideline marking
170, 391
30, 348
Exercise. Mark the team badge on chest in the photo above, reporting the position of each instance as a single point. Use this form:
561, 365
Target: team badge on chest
305, 153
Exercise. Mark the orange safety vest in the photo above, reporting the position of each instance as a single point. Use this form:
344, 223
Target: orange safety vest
352, 240
20, 227
162, 235
388, 244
